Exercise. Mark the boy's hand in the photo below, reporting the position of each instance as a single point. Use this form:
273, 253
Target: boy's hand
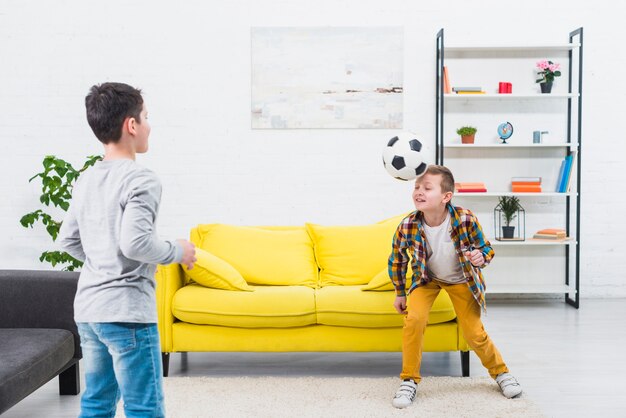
400, 304
475, 257
189, 253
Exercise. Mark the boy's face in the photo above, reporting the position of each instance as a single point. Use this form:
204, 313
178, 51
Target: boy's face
427, 195
142, 132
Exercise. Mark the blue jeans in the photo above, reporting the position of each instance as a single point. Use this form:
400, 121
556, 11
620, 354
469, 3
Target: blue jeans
121, 359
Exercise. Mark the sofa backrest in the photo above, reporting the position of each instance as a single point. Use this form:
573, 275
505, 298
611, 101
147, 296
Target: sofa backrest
352, 255
311, 255
263, 255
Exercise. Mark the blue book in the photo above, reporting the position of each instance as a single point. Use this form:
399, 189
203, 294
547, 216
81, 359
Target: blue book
568, 174
560, 179
568, 166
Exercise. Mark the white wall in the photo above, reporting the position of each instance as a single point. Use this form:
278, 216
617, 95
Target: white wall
192, 60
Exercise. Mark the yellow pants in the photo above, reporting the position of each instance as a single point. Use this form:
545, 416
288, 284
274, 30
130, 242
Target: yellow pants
468, 315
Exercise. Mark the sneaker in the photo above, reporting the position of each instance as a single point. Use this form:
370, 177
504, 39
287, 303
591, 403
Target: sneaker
405, 394
509, 386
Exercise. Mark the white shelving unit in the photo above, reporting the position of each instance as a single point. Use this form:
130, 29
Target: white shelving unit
537, 264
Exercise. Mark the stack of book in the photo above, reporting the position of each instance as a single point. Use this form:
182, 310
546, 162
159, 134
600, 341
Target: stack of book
551, 233
470, 187
565, 173
526, 184
468, 90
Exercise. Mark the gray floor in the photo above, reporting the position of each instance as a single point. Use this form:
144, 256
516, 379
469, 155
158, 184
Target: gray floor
570, 362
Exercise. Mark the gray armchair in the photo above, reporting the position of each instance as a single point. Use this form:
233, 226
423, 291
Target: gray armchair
38, 336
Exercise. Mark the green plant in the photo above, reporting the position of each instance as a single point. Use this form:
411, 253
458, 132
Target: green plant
57, 182
509, 205
466, 130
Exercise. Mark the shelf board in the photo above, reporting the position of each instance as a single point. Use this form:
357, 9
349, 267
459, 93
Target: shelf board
532, 242
520, 288
491, 194
553, 47
496, 96
505, 146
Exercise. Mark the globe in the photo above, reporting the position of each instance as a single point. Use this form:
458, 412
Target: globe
505, 130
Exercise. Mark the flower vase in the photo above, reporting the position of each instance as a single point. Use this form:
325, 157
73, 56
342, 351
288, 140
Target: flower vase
546, 87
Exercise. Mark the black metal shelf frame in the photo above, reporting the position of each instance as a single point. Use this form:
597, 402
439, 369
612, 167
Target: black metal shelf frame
574, 36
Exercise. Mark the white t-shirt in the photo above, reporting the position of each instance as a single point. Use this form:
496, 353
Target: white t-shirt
443, 261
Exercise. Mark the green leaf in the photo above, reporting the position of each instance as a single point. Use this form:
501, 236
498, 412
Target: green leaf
48, 161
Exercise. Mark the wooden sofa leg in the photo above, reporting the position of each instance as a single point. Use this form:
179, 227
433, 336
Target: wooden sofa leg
465, 363
69, 380
165, 357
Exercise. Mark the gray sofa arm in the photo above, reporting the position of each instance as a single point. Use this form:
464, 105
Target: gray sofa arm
39, 299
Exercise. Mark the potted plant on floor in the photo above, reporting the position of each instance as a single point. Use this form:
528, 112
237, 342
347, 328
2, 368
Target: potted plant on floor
509, 207
467, 134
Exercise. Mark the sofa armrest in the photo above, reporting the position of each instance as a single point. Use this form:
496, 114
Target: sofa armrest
169, 279
39, 299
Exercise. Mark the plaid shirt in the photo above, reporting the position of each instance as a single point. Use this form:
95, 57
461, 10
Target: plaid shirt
409, 240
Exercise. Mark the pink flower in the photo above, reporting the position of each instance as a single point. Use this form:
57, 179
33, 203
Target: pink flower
553, 67
542, 64
549, 70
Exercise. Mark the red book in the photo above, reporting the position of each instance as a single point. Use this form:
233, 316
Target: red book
470, 190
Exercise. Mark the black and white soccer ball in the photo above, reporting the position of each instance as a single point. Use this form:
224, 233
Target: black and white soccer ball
404, 157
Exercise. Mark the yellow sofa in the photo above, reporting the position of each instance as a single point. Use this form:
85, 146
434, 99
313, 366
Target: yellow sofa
304, 288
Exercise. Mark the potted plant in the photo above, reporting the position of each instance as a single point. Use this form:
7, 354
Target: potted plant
549, 70
467, 134
509, 206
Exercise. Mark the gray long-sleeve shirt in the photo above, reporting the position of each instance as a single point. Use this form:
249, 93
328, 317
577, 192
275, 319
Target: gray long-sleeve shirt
111, 226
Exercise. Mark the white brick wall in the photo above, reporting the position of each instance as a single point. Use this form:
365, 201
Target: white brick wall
192, 59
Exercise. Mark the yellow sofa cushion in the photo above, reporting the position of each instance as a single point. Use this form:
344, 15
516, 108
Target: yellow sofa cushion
264, 256
351, 255
212, 271
382, 282
350, 307
267, 306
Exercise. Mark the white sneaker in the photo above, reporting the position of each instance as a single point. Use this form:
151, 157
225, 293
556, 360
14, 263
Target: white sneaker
509, 385
405, 394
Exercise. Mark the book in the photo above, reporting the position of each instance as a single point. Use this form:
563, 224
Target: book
467, 89
560, 178
526, 189
552, 231
469, 185
533, 179
568, 174
549, 236
446, 81
470, 190
526, 183
568, 165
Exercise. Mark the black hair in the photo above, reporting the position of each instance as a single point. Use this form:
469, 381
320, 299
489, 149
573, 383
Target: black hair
108, 105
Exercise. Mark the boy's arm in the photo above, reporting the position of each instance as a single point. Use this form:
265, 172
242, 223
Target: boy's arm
398, 261
480, 242
69, 236
138, 239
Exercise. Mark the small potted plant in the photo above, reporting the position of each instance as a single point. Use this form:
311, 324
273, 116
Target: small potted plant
467, 134
549, 70
509, 207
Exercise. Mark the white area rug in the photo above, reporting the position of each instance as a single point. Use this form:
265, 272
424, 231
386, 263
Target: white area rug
272, 397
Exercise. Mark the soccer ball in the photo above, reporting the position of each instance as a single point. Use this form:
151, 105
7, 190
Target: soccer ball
403, 157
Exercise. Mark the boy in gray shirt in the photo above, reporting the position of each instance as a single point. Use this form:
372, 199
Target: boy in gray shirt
111, 226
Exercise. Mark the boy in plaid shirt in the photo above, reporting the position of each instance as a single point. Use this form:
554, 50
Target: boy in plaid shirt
447, 250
